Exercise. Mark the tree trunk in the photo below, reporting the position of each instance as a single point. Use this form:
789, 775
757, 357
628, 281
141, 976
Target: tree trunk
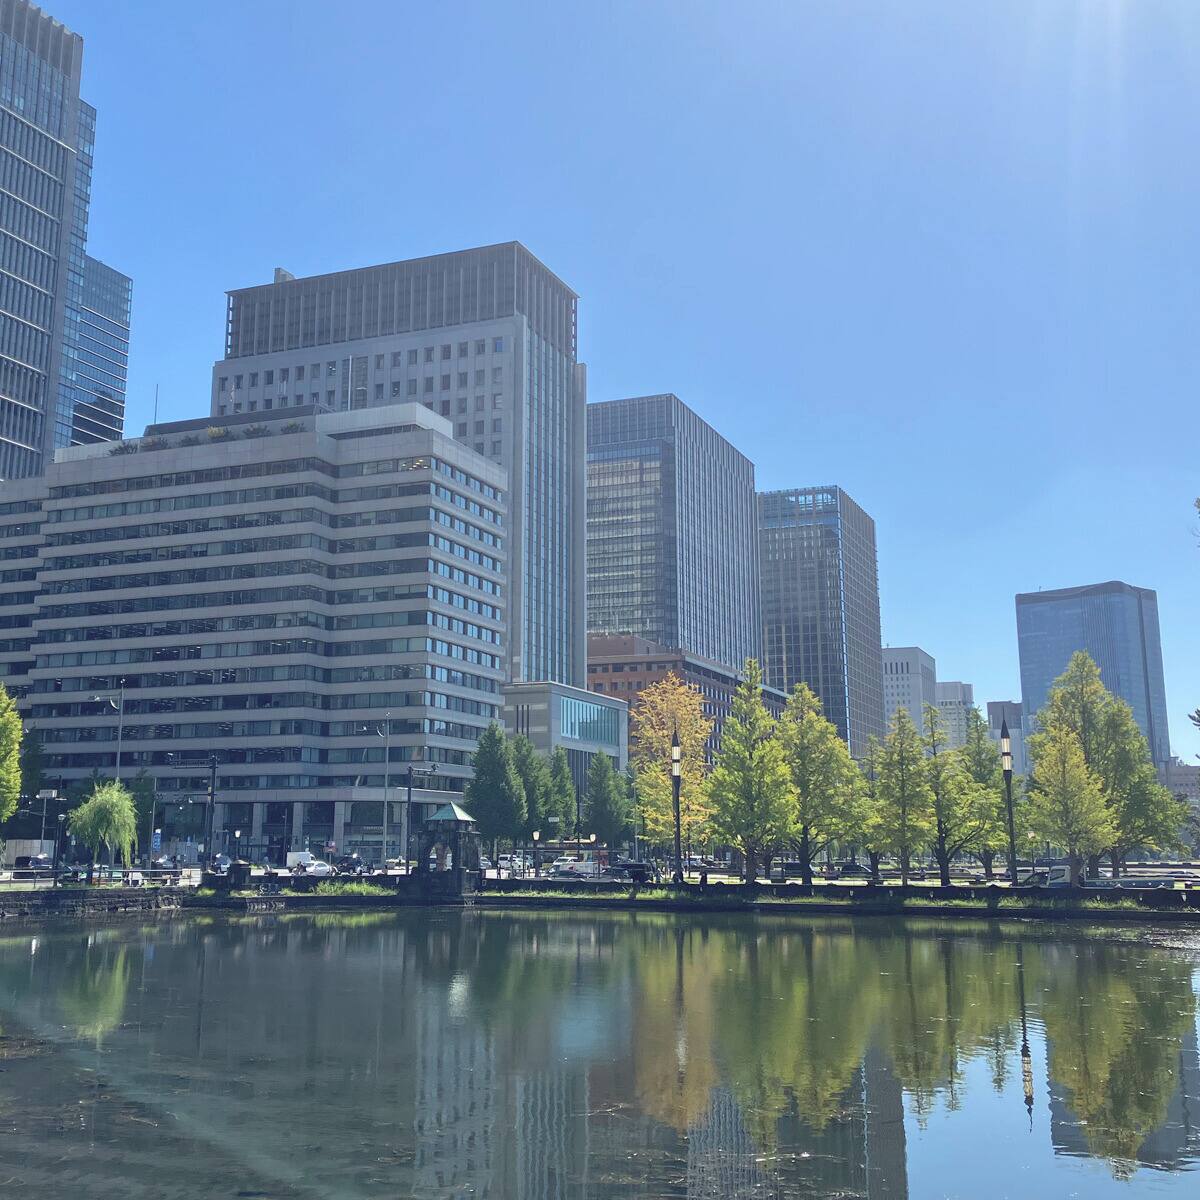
1093, 866
1076, 865
943, 859
748, 867
988, 858
805, 858
1116, 856
873, 859
904, 866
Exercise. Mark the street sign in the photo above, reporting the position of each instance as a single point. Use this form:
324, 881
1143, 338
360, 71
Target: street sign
156, 840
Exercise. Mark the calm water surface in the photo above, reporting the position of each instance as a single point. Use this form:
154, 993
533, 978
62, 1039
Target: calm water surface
538, 1056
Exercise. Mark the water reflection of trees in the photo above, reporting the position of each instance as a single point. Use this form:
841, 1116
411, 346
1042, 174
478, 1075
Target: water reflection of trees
790, 1015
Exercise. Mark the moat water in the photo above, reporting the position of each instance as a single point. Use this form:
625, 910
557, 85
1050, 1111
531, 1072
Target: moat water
457, 1054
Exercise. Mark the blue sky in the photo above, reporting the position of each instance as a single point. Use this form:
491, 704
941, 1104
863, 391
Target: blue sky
942, 254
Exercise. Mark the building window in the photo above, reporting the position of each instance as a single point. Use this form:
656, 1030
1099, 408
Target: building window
412, 387
478, 447
498, 345
268, 378
479, 377
462, 349
462, 379
331, 369
237, 383
462, 404
496, 399
479, 404
497, 425
412, 358
445, 352
283, 374
445, 408
478, 428
329, 397
254, 379
299, 373
460, 430
480, 346
223, 383
495, 449
253, 406
379, 362
429, 354
314, 372
497, 374
267, 402
396, 386
222, 409
428, 383
379, 391
315, 398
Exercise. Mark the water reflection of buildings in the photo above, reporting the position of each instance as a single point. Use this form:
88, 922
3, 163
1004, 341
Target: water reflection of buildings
861, 1151
1172, 1146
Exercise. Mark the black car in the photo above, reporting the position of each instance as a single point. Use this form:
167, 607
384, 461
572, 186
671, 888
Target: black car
351, 864
33, 866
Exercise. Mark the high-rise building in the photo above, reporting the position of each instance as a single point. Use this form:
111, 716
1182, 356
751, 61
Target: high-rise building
1117, 624
297, 601
820, 604
672, 547
63, 347
1010, 713
486, 338
954, 701
909, 682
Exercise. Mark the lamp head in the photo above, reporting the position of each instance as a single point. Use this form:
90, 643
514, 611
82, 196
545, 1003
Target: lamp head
676, 753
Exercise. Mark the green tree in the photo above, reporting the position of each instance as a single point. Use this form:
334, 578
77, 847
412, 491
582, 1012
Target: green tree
666, 709
10, 755
106, 820
562, 793
904, 802
1115, 751
750, 785
607, 810
981, 761
495, 797
823, 778
145, 794
535, 779
960, 808
1067, 802
872, 832
33, 768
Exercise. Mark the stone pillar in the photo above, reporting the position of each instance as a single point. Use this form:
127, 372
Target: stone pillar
341, 814
297, 825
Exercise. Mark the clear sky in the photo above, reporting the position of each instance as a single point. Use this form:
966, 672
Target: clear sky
944, 254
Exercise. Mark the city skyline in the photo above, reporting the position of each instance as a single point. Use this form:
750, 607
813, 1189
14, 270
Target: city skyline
972, 281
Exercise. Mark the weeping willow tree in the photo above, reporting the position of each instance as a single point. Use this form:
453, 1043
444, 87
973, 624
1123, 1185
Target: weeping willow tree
107, 819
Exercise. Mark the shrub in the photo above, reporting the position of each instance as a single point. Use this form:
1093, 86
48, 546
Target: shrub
338, 887
253, 431
292, 427
122, 448
218, 433
189, 440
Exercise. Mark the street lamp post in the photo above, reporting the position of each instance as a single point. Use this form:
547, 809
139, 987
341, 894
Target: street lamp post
386, 734
537, 837
119, 705
1006, 765
676, 779
57, 844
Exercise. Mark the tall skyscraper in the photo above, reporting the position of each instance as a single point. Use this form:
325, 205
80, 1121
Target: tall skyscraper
672, 551
487, 339
820, 603
1117, 624
909, 681
954, 701
64, 317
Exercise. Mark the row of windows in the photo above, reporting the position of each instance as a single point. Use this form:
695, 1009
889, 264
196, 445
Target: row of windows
284, 620
26, 262
150, 705
258, 519
226, 782
23, 342
296, 541
312, 646
331, 366
161, 603
385, 466
32, 145
294, 727
255, 496
35, 187
261, 570
293, 673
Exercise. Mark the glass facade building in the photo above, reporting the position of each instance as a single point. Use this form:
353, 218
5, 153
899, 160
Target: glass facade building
820, 603
672, 547
49, 358
485, 338
1117, 624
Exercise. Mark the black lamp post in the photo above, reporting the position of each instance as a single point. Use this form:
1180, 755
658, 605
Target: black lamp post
1006, 766
57, 845
676, 779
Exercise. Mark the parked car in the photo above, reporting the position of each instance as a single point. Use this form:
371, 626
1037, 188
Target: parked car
314, 868
351, 864
853, 870
33, 866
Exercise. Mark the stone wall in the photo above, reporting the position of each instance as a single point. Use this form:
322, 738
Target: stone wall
75, 902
